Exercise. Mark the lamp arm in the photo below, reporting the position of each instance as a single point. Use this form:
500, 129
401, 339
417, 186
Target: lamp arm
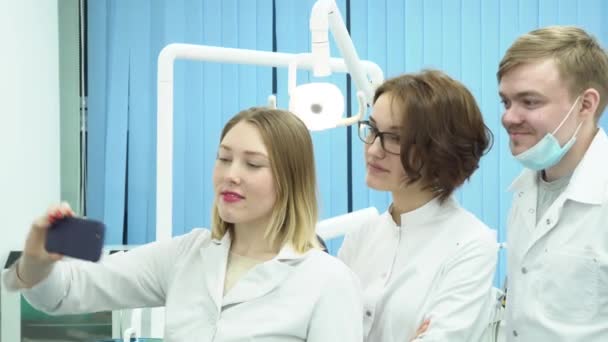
360, 114
325, 15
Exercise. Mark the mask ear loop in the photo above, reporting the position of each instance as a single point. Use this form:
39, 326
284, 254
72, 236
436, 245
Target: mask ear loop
567, 116
577, 128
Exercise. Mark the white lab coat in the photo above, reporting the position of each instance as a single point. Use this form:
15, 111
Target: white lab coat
293, 297
440, 263
558, 268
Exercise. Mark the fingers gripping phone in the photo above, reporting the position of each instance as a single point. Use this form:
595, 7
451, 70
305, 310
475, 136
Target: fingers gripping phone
76, 237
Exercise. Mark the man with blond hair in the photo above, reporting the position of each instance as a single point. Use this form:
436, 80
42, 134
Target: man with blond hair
554, 86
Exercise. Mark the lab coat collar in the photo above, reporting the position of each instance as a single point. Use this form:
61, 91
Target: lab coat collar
287, 252
225, 240
589, 182
526, 179
428, 212
259, 281
214, 259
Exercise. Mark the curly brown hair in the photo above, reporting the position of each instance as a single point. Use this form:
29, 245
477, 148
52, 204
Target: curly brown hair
443, 135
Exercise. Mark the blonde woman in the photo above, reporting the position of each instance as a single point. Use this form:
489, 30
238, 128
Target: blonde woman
258, 275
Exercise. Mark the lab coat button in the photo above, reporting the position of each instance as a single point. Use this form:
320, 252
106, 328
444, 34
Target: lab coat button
531, 211
368, 313
515, 333
524, 270
548, 222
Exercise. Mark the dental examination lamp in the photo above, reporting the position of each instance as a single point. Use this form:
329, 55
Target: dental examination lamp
320, 105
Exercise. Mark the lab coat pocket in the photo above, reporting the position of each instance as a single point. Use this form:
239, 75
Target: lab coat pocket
568, 285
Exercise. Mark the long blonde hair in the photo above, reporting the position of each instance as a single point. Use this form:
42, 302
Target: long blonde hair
291, 156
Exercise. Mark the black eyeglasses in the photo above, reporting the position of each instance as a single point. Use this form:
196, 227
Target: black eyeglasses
390, 142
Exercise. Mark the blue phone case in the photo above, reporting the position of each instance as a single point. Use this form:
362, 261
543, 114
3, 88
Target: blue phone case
77, 238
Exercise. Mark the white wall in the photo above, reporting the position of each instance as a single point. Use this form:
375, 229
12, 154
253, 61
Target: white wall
29, 116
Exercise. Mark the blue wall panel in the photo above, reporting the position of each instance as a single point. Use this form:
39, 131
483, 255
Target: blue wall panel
125, 40
96, 135
117, 121
465, 38
487, 97
140, 162
468, 71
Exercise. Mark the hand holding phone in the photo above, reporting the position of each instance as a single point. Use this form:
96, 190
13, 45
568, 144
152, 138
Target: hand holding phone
36, 261
76, 237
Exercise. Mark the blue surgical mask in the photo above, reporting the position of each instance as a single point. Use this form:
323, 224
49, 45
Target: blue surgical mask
548, 152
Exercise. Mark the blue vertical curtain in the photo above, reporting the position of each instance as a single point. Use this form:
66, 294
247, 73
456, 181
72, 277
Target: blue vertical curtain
465, 38
125, 38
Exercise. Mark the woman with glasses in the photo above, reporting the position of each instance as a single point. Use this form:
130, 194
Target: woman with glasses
426, 265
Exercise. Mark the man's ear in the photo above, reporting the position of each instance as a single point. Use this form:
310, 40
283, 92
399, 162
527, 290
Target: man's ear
590, 100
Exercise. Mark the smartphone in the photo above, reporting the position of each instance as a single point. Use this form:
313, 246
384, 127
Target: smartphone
76, 237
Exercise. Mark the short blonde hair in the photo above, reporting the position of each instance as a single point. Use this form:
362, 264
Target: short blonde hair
581, 61
291, 157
